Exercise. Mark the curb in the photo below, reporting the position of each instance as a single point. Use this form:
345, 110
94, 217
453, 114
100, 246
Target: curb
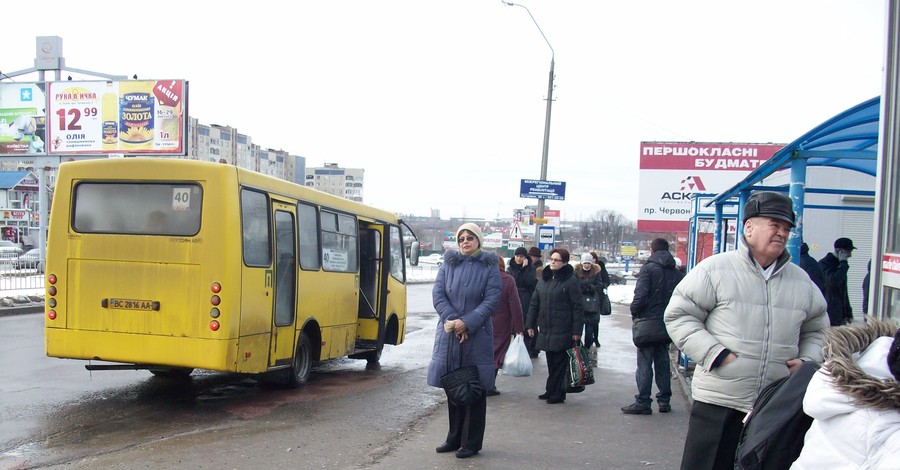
21, 310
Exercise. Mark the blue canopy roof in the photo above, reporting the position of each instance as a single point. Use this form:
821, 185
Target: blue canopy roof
848, 140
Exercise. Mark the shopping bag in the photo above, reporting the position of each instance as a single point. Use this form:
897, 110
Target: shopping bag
580, 373
517, 362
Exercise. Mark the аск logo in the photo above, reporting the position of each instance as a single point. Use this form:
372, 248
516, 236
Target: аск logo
692, 183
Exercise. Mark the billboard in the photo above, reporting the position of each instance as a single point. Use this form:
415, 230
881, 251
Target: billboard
670, 172
22, 119
119, 117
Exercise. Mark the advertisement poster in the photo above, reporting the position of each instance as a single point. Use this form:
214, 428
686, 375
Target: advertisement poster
22, 117
126, 117
672, 172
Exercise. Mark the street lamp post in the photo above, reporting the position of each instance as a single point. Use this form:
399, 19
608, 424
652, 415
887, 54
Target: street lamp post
540, 208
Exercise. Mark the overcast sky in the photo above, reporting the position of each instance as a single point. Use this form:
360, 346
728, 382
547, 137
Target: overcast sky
442, 103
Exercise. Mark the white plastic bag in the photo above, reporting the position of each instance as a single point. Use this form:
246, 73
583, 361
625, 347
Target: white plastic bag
517, 362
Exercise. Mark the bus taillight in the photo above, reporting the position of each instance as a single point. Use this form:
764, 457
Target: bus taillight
51, 279
51, 314
214, 325
216, 287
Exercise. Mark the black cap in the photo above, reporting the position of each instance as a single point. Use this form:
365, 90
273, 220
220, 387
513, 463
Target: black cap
769, 204
844, 244
804, 248
521, 251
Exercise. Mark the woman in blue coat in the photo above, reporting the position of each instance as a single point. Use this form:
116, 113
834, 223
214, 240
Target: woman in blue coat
465, 294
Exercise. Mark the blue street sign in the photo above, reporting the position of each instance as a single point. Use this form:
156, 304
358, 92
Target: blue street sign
540, 189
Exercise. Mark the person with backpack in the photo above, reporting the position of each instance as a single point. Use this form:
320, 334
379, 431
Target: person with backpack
854, 400
747, 318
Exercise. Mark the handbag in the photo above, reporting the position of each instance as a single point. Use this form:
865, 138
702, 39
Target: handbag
649, 331
580, 373
517, 362
462, 385
606, 305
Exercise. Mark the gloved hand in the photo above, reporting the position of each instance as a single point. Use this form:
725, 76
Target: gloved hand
842, 255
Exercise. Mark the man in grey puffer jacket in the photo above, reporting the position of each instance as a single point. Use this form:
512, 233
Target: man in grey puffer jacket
747, 318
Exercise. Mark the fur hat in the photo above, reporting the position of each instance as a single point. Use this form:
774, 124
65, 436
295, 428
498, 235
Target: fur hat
534, 251
521, 251
587, 258
770, 204
469, 226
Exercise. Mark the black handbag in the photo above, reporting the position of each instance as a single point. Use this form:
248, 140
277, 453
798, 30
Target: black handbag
649, 331
462, 385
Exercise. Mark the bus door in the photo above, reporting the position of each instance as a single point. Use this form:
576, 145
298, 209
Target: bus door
284, 316
372, 294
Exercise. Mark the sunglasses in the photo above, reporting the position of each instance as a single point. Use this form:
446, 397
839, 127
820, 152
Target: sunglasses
465, 239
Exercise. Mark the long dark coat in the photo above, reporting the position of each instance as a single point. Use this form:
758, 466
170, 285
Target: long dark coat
466, 288
507, 318
556, 310
836, 296
591, 283
526, 281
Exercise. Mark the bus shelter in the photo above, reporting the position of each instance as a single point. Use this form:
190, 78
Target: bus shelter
848, 141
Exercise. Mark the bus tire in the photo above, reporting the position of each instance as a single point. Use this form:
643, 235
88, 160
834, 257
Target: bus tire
301, 366
372, 357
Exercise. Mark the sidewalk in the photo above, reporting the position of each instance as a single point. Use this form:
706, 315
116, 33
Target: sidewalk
588, 430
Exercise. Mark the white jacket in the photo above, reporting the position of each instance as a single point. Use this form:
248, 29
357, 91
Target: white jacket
725, 302
856, 421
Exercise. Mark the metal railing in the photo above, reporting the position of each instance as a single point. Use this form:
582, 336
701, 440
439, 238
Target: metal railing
14, 278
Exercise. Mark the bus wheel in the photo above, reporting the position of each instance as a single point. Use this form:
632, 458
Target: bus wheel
302, 364
372, 357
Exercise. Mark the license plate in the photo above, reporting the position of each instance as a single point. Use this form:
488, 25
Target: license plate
131, 304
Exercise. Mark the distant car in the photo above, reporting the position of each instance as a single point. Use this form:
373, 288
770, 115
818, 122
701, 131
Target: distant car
9, 251
618, 277
31, 259
434, 258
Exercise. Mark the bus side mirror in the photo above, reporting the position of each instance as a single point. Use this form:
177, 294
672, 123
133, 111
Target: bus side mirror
414, 253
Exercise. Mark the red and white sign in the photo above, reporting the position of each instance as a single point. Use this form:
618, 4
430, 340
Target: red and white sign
890, 270
671, 172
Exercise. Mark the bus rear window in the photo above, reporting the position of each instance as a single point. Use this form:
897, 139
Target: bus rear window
171, 209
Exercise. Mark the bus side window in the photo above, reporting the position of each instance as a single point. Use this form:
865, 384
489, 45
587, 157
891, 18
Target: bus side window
308, 233
257, 239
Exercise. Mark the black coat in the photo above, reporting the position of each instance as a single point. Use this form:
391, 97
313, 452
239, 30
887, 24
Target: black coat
839, 310
556, 310
591, 283
526, 281
655, 283
811, 266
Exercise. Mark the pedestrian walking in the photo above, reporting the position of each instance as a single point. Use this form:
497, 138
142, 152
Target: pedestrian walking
655, 284
834, 267
865, 288
747, 317
465, 294
507, 319
556, 318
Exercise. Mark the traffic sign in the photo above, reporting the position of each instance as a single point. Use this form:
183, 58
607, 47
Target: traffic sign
546, 237
516, 233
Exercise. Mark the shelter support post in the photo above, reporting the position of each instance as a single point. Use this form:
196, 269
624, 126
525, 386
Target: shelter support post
797, 194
